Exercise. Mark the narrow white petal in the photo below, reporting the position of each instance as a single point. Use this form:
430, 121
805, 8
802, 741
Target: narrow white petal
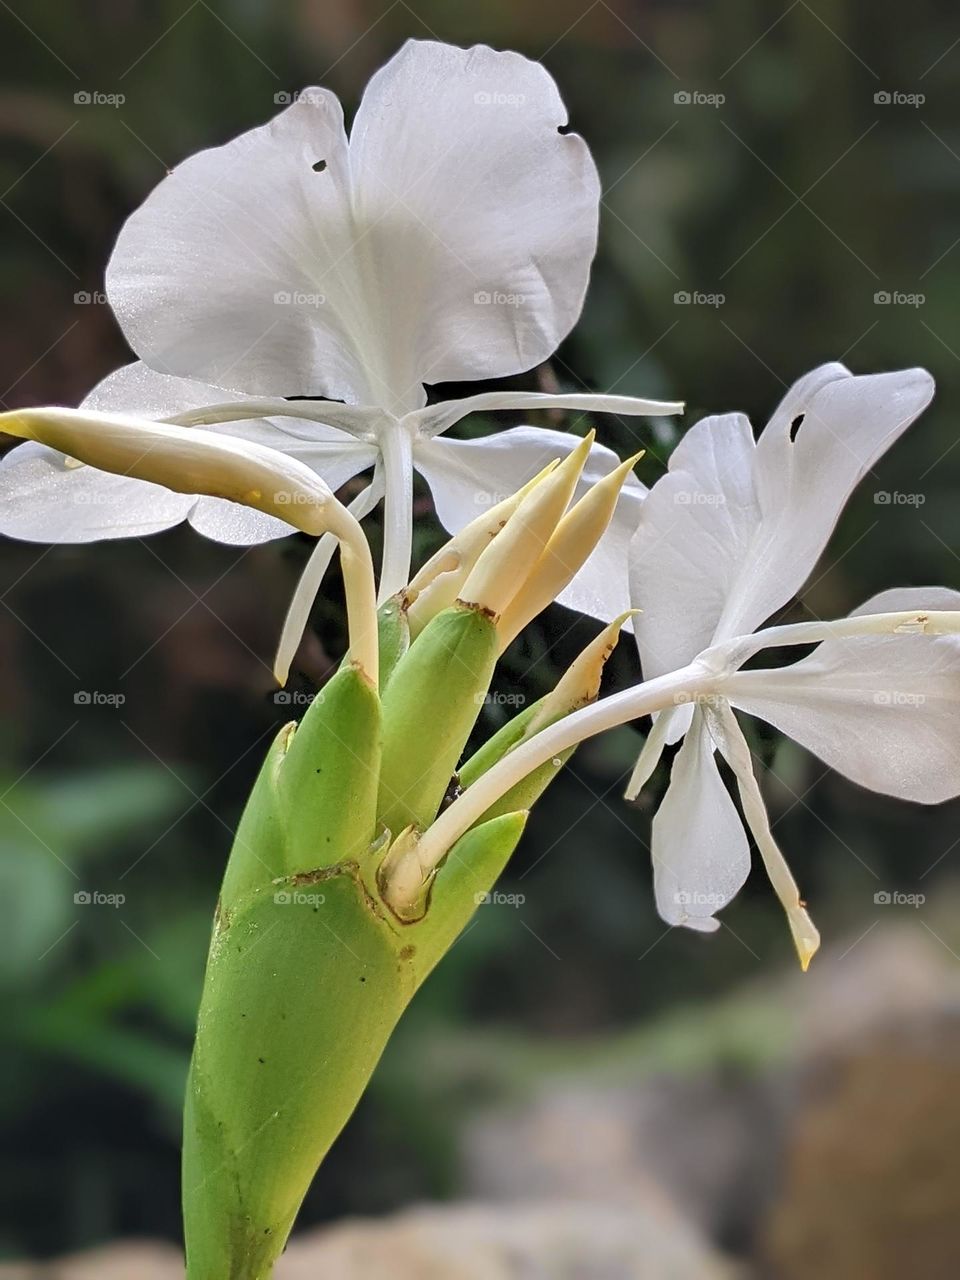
882, 710
307, 589
701, 856
733, 746
649, 756
437, 418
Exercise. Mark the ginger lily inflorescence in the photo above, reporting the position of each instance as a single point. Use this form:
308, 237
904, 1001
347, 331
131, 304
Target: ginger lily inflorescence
290, 295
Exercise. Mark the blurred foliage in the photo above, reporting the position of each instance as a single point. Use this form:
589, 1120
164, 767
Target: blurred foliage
798, 199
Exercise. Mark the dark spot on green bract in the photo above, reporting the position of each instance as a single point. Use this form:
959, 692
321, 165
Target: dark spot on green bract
261, 1059
318, 166
408, 952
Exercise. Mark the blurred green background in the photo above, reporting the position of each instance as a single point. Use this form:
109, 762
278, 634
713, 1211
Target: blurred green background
745, 153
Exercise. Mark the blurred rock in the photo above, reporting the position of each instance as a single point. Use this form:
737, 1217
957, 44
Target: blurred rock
456, 1242
553, 1241
131, 1260
871, 1186
760, 1154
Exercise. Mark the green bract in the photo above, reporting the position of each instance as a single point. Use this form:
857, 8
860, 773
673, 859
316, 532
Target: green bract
309, 967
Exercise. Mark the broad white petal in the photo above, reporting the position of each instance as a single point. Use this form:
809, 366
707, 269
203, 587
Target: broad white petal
235, 524
478, 217
701, 856
468, 476
240, 268
690, 548
44, 500
830, 431
136, 388
882, 710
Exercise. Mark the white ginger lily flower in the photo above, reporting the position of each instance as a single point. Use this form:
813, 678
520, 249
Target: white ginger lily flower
728, 537
449, 238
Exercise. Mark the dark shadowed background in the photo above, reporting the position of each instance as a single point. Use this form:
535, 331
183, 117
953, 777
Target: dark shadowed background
782, 187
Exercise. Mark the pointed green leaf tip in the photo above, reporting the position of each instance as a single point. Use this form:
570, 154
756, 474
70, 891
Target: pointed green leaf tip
314, 801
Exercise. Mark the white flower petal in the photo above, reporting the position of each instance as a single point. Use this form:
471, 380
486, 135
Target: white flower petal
136, 388
240, 269
284, 263
840, 426
725, 730
479, 216
332, 453
439, 417
468, 476
235, 524
701, 856
44, 500
690, 548
734, 529
882, 710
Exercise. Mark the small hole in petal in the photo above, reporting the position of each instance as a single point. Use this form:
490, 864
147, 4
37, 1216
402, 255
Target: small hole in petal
564, 129
795, 425
318, 166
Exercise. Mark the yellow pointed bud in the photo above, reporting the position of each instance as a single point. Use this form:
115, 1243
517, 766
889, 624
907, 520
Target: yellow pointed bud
580, 683
504, 566
438, 583
569, 548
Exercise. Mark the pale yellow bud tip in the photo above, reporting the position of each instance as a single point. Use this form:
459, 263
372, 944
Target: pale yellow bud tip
806, 936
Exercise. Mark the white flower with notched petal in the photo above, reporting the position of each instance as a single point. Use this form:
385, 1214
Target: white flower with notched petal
448, 238
726, 538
